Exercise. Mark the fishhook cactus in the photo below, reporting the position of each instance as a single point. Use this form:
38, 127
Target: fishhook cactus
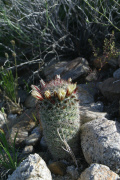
59, 110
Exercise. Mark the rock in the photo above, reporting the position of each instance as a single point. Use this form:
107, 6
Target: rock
89, 114
92, 76
28, 149
3, 120
36, 130
90, 87
98, 106
12, 117
30, 102
24, 124
112, 109
21, 136
32, 139
98, 172
116, 74
88, 109
74, 69
58, 177
73, 172
100, 142
86, 93
110, 88
34, 167
58, 168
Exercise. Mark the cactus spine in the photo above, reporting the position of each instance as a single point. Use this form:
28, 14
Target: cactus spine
59, 110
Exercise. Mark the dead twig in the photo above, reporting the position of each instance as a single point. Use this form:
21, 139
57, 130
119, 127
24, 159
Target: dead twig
27, 63
67, 147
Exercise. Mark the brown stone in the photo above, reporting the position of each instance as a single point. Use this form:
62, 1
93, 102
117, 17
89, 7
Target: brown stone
24, 124
92, 76
74, 69
57, 168
110, 88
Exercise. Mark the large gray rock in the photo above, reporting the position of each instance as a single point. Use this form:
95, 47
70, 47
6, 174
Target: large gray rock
110, 88
98, 172
86, 93
116, 74
90, 113
23, 124
34, 137
74, 69
88, 109
100, 142
32, 168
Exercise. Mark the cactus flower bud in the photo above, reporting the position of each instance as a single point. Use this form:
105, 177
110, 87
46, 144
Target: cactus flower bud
69, 80
57, 76
37, 95
35, 88
61, 94
71, 88
47, 94
42, 83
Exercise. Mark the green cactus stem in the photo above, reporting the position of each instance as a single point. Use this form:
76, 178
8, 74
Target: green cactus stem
59, 110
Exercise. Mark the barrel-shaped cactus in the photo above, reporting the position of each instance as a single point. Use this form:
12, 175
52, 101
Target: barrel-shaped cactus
59, 115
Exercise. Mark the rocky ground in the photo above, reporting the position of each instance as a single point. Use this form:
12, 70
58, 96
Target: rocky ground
99, 149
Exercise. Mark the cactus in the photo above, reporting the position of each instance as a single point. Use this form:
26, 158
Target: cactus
59, 110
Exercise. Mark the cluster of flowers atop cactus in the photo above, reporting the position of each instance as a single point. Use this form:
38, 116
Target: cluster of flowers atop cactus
60, 88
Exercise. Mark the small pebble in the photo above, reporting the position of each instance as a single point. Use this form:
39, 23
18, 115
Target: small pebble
28, 149
32, 139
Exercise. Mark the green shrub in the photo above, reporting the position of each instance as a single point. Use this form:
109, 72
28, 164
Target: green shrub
109, 50
8, 84
54, 30
8, 153
102, 12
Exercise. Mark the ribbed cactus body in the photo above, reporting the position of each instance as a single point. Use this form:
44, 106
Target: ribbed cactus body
60, 117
